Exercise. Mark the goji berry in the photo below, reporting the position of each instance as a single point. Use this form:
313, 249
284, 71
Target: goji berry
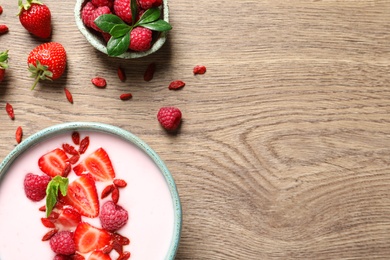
47, 223
115, 195
67, 169
3, 28
199, 69
149, 73
49, 234
177, 84
1, 9
42, 208
122, 240
99, 82
74, 159
124, 256
120, 183
121, 74
19, 134
125, 96
107, 191
69, 149
76, 137
84, 145
10, 111
68, 95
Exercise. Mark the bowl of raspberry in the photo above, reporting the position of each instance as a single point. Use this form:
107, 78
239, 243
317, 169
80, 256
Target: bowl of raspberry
125, 29
86, 190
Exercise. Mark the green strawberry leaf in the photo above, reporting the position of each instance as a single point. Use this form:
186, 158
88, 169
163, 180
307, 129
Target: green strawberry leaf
58, 183
150, 15
117, 46
107, 21
120, 30
134, 10
159, 25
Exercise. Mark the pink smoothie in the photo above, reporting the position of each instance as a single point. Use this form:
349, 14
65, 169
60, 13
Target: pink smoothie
147, 198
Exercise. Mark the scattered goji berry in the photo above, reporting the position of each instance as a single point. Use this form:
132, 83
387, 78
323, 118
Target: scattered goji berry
120, 183
19, 134
107, 249
199, 69
125, 96
3, 28
10, 111
84, 145
124, 256
69, 149
68, 95
42, 208
54, 215
107, 191
148, 75
49, 234
115, 195
76, 137
177, 84
121, 240
74, 159
121, 74
67, 169
1, 9
47, 223
99, 82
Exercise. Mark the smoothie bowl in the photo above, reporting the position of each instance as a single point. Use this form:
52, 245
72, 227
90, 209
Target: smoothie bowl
125, 29
106, 195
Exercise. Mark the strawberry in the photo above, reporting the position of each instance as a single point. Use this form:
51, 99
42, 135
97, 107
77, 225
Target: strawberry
89, 238
82, 196
3, 64
99, 255
35, 17
68, 217
54, 163
98, 164
47, 61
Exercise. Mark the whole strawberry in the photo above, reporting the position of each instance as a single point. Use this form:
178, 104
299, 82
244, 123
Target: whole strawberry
47, 61
3, 64
169, 118
35, 18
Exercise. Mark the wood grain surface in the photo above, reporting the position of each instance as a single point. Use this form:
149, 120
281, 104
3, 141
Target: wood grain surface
284, 150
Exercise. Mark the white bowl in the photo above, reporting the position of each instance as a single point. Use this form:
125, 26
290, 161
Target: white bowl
98, 42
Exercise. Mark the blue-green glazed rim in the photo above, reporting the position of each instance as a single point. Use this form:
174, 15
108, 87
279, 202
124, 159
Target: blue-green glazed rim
110, 129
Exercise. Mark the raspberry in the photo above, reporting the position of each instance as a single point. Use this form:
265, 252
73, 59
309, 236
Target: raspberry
62, 257
169, 117
140, 39
63, 243
98, 3
146, 4
113, 216
122, 9
90, 12
35, 186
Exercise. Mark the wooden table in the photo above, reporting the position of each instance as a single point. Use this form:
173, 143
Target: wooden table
284, 150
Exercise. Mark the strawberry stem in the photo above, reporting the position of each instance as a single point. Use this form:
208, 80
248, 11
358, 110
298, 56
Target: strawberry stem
37, 78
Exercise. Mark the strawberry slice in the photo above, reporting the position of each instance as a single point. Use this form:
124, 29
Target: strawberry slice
68, 217
88, 238
98, 164
53, 163
98, 255
82, 196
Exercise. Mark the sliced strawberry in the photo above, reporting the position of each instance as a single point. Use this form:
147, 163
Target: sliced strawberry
68, 217
82, 195
88, 238
98, 164
53, 163
99, 255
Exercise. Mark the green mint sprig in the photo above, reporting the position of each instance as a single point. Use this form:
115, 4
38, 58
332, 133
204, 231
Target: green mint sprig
120, 31
60, 184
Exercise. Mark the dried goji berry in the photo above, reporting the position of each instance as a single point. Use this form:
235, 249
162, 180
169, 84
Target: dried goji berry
107, 191
67, 169
1, 9
74, 159
10, 111
122, 240
19, 134
3, 28
121, 74
76, 137
49, 234
99, 82
69, 149
177, 84
125, 96
124, 256
120, 183
115, 195
42, 208
148, 75
47, 223
68, 95
84, 145
199, 69
107, 249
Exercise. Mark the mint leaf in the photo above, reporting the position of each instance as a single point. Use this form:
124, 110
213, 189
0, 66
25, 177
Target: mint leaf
107, 21
159, 25
58, 183
134, 10
150, 15
118, 46
120, 30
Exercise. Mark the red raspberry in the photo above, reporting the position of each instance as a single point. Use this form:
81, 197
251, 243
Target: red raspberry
90, 12
169, 117
113, 216
140, 39
62, 243
62, 257
35, 186
122, 9
146, 4
98, 3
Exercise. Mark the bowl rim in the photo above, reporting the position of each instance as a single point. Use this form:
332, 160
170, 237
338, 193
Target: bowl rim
54, 130
96, 42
